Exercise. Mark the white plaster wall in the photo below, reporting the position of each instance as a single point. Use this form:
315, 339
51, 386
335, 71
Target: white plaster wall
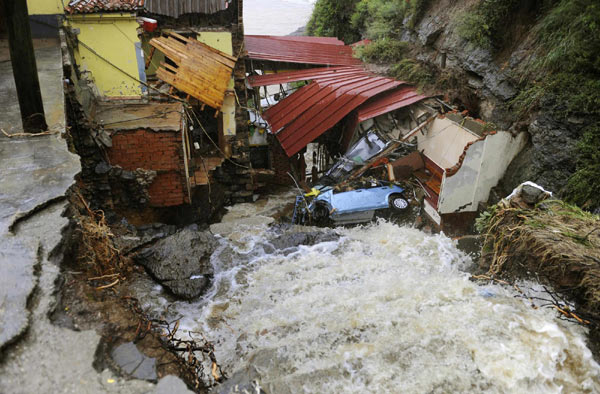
457, 191
500, 150
484, 165
444, 141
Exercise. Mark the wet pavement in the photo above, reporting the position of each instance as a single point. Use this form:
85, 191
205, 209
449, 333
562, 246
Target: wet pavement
35, 173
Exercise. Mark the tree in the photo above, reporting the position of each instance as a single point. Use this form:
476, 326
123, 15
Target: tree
332, 18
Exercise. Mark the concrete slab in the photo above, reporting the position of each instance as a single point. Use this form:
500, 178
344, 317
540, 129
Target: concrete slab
33, 172
51, 359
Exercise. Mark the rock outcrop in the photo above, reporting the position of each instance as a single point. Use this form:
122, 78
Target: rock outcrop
181, 262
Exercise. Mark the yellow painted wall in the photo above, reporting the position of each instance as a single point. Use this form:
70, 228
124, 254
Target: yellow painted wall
157, 58
217, 39
45, 7
113, 37
222, 41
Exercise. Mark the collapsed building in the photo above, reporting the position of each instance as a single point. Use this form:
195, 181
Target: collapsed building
174, 111
156, 93
325, 98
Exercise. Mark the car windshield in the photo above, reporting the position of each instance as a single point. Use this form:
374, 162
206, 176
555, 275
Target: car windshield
363, 150
367, 147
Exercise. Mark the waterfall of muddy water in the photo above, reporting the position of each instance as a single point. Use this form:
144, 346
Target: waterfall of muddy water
382, 309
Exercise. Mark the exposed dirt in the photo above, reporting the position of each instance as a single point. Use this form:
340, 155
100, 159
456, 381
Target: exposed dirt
95, 295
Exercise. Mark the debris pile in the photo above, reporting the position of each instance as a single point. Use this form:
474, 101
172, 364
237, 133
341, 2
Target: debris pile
529, 233
96, 250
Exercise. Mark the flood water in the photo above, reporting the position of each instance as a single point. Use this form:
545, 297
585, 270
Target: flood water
382, 309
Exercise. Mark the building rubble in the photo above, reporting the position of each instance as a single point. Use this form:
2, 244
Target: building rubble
214, 116
340, 128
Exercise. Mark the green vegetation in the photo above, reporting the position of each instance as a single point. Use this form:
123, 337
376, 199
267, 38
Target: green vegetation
565, 76
331, 18
384, 18
413, 71
583, 188
384, 50
483, 221
484, 22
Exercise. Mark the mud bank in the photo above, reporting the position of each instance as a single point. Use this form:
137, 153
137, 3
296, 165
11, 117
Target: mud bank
532, 236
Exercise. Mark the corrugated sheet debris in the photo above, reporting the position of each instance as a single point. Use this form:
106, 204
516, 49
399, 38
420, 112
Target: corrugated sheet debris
302, 75
389, 101
176, 8
303, 116
303, 50
90, 6
201, 71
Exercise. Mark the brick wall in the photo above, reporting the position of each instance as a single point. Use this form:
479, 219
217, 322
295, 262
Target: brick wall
158, 151
280, 163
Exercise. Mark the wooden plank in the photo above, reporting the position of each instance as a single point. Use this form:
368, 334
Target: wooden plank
201, 71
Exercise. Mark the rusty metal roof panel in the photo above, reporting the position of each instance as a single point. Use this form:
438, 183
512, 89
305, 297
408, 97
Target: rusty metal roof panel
389, 101
176, 8
90, 6
277, 49
280, 116
301, 75
306, 114
309, 39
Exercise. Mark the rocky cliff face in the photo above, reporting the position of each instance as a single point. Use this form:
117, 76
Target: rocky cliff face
485, 83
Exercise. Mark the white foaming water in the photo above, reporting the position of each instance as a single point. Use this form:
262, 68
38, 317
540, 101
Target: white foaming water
384, 309
279, 17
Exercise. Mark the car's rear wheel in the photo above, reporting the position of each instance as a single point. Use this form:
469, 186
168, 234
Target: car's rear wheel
398, 203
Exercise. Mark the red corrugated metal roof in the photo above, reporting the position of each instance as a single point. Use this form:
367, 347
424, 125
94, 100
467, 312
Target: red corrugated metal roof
302, 75
278, 49
389, 101
314, 40
306, 114
89, 6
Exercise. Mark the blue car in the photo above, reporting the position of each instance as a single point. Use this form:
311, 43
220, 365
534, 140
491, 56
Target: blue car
356, 206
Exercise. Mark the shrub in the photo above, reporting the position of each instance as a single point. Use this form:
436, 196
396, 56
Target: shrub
413, 71
583, 187
382, 51
483, 24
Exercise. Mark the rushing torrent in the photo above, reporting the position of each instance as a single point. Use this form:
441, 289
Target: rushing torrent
381, 309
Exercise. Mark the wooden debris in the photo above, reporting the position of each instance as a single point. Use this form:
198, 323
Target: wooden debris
200, 71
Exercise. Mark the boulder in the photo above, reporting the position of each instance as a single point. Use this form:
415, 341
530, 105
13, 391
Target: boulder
181, 262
